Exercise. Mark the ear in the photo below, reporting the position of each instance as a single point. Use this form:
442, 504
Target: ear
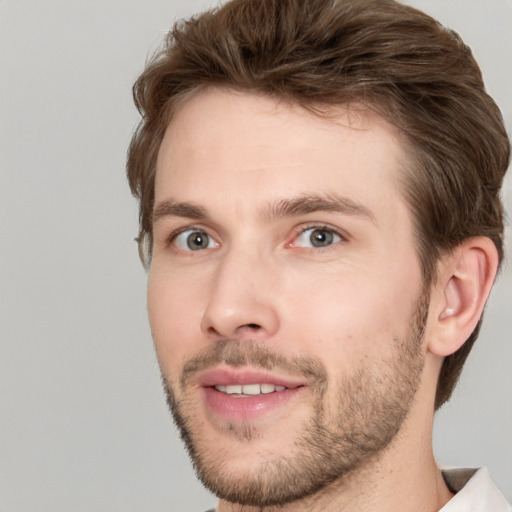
465, 279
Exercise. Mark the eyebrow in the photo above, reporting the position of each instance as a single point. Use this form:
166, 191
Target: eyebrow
172, 208
310, 203
289, 207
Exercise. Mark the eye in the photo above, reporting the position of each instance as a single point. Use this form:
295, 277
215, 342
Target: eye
317, 237
194, 240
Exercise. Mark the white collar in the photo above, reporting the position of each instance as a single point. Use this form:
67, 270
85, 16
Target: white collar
475, 492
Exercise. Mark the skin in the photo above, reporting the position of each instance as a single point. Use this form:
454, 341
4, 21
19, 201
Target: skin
259, 282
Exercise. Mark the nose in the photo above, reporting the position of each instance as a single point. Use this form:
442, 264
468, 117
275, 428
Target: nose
241, 299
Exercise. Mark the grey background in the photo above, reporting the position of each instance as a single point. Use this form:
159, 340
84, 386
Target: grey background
83, 424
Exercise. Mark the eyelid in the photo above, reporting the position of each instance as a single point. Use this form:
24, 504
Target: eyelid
299, 230
170, 240
320, 226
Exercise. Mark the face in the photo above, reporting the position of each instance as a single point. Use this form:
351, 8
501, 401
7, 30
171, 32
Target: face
285, 293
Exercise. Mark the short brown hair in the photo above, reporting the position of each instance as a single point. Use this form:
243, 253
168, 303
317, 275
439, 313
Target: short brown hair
395, 59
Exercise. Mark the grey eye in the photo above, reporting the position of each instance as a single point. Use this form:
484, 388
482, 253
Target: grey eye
317, 237
194, 240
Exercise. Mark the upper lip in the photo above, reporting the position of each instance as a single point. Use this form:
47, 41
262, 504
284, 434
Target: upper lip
229, 376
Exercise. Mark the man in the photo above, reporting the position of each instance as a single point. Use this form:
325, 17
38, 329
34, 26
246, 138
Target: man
320, 216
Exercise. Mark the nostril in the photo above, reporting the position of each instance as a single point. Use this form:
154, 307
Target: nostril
245, 327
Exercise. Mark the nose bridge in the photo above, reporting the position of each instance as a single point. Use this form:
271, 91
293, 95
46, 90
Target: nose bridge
241, 298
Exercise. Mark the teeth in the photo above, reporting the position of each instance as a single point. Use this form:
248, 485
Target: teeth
249, 389
267, 388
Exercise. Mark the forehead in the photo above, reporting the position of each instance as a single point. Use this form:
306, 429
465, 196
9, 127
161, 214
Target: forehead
227, 144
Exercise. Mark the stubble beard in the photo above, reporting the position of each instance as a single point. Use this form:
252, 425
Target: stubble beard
372, 406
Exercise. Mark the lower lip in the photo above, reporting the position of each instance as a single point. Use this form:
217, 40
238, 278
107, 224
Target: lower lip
246, 408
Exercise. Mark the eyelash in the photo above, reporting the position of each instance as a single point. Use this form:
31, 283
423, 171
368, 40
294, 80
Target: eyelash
320, 227
171, 239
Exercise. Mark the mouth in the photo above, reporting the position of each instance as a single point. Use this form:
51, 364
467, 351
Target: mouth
234, 395
241, 391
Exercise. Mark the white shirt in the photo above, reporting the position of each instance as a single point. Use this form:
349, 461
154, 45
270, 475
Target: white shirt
475, 492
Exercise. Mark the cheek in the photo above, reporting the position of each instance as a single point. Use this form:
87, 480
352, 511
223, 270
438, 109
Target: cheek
347, 315
174, 311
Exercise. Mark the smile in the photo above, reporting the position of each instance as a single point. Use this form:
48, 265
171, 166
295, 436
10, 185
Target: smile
241, 395
249, 389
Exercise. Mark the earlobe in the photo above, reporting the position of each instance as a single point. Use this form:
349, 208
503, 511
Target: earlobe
466, 277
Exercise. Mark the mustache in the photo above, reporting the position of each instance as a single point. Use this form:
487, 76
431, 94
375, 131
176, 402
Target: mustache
251, 353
